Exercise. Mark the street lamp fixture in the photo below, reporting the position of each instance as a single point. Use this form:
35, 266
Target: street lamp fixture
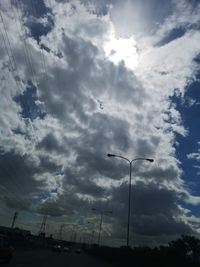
111, 155
129, 195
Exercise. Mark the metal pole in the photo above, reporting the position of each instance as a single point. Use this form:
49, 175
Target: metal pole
129, 204
100, 229
129, 196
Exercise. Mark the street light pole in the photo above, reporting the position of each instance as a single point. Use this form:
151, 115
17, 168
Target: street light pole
129, 191
100, 228
129, 203
101, 221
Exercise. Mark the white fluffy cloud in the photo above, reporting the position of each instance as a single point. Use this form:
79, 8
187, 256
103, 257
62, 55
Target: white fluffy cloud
195, 155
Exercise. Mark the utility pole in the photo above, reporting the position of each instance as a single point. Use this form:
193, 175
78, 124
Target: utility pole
14, 219
60, 231
100, 226
43, 226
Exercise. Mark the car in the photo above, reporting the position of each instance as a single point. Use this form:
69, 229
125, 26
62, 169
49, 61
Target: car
57, 248
67, 249
78, 250
6, 251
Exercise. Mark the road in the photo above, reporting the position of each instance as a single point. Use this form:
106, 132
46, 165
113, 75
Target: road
47, 258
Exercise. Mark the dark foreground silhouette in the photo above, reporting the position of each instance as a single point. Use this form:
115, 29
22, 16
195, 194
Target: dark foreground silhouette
184, 251
19, 246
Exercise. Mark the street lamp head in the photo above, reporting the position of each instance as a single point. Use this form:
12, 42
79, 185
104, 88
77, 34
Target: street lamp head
150, 160
111, 155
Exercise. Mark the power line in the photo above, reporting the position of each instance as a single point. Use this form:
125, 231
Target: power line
18, 23
7, 50
10, 54
41, 49
8, 41
27, 51
27, 60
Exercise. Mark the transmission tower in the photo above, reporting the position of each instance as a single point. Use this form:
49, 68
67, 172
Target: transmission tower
14, 219
43, 226
60, 231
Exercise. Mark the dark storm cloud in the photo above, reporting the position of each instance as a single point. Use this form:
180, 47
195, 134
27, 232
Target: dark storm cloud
47, 164
156, 201
67, 204
154, 211
82, 182
16, 202
20, 187
54, 209
17, 182
160, 224
97, 163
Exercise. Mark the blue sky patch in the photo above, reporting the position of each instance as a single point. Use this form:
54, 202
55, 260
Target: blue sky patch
35, 11
28, 104
190, 116
171, 36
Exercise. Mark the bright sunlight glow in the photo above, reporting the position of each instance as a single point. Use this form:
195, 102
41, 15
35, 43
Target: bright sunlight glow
118, 50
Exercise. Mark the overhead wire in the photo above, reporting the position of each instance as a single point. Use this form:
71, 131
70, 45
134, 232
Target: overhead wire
17, 23
9, 51
11, 172
41, 49
27, 50
8, 41
26, 59
43, 60
20, 29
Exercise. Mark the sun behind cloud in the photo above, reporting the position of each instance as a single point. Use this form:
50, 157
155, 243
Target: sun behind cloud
122, 49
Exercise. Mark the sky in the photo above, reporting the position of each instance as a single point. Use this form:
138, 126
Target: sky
81, 79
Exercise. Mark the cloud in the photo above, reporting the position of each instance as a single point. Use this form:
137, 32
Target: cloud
58, 149
195, 155
17, 181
